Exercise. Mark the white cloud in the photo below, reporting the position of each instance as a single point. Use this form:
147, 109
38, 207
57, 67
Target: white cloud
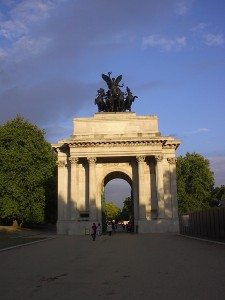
24, 47
3, 53
181, 8
209, 39
29, 45
213, 39
165, 43
202, 130
23, 15
200, 27
199, 130
16, 28
12, 29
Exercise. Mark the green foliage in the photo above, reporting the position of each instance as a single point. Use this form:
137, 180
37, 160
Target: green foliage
218, 194
127, 211
26, 164
195, 182
111, 211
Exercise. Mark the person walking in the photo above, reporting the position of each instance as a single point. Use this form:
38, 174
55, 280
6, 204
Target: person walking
109, 228
93, 231
99, 229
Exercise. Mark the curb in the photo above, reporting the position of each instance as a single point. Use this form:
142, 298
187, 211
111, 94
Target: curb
201, 239
27, 244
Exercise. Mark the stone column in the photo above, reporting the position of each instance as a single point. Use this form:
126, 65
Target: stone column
92, 192
73, 189
141, 187
173, 186
62, 190
159, 186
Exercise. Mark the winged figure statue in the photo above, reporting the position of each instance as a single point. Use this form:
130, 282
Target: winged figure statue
114, 99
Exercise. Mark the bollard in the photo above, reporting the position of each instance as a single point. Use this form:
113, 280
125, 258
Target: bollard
86, 231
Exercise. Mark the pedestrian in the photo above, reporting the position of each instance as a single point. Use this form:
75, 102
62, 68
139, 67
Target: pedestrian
93, 231
99, 229
109, 228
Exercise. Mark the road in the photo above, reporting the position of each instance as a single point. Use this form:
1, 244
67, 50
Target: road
121, 266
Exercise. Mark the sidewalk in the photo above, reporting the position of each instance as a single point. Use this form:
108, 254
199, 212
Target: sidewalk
123, 266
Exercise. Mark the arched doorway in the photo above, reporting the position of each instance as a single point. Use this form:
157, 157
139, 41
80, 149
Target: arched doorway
116, 191
117, 201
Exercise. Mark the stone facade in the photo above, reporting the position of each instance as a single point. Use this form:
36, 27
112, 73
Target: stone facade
117, 145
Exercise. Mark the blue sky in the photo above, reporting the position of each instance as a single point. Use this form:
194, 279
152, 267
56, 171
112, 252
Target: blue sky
171, 54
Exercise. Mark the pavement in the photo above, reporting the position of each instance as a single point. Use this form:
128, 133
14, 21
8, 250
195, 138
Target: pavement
121, 266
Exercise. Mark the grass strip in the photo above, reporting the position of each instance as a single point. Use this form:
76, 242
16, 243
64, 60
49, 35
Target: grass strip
17, 237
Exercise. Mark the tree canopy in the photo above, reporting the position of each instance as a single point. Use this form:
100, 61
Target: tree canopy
218, 195
195, 182
26, 165
127, 211
112, 211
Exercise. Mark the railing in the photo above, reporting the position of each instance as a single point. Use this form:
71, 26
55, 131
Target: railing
207, 224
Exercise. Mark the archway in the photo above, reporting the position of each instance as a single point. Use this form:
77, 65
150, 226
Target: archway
116, 191
117, 205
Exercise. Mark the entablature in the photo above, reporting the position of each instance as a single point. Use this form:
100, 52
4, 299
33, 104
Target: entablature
162, 142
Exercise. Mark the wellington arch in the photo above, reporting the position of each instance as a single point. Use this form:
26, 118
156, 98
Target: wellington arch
117, 145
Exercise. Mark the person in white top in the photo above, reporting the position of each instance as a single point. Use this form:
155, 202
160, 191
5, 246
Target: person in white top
99, 229
109, 228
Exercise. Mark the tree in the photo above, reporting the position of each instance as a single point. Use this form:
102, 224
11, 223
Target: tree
111, 211
127, 211
218, 194
195, 182
26, 165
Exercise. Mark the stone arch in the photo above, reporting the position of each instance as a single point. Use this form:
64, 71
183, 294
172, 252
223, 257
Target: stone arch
117, 174
117, 145
109, 174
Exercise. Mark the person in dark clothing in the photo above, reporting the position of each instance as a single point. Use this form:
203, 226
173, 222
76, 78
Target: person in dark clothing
93, 231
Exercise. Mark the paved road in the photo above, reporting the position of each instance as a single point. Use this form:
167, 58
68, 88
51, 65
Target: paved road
123, 266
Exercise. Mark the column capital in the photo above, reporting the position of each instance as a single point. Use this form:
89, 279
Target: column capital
172, 160
159, 157
140, 158
73, 160
61, 163
91, 160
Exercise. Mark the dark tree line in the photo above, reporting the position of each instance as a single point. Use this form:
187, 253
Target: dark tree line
195, 184
27, 178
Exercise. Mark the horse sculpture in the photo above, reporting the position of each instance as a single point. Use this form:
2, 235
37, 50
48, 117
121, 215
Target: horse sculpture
114, 100
129, 100
100, 100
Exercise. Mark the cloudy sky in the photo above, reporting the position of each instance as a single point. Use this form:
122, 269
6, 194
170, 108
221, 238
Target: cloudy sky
171, 54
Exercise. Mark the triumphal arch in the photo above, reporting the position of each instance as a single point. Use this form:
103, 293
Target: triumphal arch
116, 143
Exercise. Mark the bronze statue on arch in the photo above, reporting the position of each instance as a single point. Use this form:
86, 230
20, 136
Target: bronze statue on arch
114, 100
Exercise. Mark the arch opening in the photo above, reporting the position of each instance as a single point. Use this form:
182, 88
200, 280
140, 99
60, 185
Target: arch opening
116, 191
117, 201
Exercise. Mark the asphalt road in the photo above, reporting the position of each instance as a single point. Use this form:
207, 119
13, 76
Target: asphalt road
121, 266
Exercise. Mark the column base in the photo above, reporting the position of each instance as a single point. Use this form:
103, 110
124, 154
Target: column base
77, 227
80, 227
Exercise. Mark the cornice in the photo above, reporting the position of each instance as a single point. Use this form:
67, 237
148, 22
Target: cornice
85, 144
163, 142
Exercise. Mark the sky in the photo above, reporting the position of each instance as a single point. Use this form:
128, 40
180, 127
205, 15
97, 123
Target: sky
171, 54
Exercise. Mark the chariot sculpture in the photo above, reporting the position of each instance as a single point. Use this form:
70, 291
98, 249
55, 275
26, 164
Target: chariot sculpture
114, 100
